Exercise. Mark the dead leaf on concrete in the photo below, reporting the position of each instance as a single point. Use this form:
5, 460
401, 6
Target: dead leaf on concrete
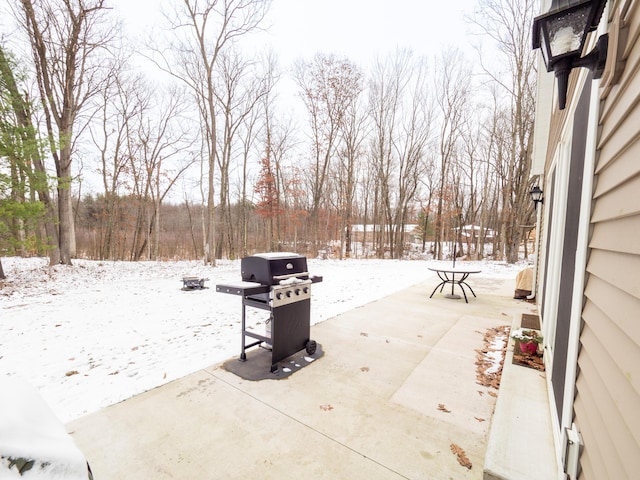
442, 408
461, 456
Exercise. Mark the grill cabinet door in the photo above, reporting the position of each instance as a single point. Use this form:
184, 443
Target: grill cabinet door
290, 329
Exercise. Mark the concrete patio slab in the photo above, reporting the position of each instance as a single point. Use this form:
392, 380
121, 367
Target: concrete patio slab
368, 409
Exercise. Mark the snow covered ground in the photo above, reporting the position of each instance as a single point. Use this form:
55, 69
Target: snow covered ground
96, 333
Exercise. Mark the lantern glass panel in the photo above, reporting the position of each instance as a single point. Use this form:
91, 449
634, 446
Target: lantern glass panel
567, 32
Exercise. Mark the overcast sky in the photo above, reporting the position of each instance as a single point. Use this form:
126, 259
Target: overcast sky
358, 29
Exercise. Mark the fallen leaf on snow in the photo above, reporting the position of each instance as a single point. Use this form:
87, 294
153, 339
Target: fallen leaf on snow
326, 408
364, 334
71, 372
442, 408
364, 369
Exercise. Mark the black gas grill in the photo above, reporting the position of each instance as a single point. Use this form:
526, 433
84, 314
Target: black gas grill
279, 283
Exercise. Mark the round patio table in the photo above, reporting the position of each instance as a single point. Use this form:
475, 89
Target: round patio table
454, 276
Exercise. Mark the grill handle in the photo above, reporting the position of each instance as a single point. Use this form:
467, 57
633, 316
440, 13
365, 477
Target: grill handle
290, 275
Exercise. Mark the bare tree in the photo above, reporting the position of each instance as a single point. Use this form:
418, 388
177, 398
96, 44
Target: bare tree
353, 133
163, 157
473, 173
452, 100
289, 178
489, 140
248, 140
508, 24
240, 91
401, 124
121, 102
387, 86
65, 39
279, 136
201, 31
141, 135
329, 85
410, 148
429, 182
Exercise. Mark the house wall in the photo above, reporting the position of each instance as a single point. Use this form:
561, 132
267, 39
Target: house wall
607, 389
568, 190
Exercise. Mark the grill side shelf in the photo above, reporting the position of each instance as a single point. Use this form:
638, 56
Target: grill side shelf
242, 288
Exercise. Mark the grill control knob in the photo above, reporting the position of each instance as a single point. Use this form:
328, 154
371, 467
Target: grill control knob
288, 293
305, 290
297, 291
279, 296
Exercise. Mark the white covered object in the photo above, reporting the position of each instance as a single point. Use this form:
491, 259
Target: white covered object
33, 439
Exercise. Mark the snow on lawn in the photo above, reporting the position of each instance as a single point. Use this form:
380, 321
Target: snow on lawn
96, 333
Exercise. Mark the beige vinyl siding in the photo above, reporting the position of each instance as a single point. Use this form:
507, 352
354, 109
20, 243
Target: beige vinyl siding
607, 401
621, 270
628, 163
620, 202
614, 235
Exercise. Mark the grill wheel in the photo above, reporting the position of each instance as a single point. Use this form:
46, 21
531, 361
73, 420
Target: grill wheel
311, 346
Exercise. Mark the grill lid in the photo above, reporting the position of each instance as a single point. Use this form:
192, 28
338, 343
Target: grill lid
273, 267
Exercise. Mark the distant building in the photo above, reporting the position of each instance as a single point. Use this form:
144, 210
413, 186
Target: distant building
470, 233
412, 232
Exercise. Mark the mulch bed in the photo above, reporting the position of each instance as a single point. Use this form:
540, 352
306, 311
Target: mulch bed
486, 373
495, 342
530, 361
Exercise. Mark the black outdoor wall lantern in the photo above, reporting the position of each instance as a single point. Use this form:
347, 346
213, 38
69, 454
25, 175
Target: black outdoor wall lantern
536, 195
561, 34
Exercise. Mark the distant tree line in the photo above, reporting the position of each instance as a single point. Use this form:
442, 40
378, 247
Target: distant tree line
408, 141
